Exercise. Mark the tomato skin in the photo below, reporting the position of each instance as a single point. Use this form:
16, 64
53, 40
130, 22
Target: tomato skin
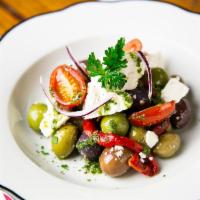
65, 84
153, 115
150, 166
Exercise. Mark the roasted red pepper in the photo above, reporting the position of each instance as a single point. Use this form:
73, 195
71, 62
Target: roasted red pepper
110, 140
153, 115
150, 166
89, 127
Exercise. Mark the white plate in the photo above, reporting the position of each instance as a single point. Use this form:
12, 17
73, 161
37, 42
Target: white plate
36, 46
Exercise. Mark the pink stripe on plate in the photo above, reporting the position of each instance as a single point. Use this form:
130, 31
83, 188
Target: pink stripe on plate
4, 196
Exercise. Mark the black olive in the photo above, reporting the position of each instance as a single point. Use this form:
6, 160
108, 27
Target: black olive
88, 148
182, 114
140, 99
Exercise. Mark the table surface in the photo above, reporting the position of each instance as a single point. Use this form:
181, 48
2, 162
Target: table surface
14, 11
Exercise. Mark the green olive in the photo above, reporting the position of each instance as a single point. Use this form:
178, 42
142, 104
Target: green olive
117, 123
168, 145
114, 161
63, 142
137, 134
35, 115
160, 77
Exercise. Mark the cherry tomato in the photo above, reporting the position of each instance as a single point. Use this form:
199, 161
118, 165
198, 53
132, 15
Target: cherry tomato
153, 115
133, 45
68, 86
149, 167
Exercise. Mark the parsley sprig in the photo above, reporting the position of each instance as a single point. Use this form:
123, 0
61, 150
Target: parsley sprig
109, 71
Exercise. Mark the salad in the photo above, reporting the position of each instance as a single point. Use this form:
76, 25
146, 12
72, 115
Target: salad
119, 112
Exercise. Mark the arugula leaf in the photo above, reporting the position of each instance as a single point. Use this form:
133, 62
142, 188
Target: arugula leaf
109, 72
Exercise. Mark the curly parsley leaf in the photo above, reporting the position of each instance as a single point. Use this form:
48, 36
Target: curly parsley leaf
94, 66
114, 56
109, 71
113, 81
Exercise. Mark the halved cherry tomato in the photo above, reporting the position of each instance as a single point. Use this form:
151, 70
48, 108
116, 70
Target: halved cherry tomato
153, 115
150, 166
68, 86
133, 45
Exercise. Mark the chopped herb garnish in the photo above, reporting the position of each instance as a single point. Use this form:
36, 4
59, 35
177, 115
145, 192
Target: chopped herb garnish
139, 70
113, 125
141, 117
146, 150
88, 142
92, 167
42, 151
136, 59
55, 140
109, 71
65, 167
89, 180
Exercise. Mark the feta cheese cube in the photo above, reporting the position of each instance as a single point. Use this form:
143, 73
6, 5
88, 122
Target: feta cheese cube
52, 121
142, 155
151, 139
96, 94
155, 60
174, 90
133, 71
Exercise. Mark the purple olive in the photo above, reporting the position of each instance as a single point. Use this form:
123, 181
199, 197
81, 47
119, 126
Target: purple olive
140, 99
162, 127
88, 148
182, 114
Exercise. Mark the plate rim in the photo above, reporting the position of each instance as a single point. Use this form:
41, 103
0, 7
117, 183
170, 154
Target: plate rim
90, 2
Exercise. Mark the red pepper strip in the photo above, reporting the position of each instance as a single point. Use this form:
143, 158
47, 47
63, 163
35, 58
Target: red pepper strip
89, 127
153, 115
148, 168
110, 140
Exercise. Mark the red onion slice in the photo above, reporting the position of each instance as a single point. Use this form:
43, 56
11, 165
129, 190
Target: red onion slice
80, 113
149, 74
78, 65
